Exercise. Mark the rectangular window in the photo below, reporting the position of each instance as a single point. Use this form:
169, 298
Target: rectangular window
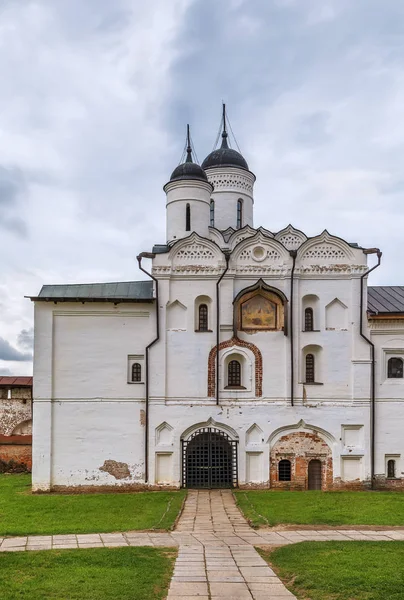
136, 368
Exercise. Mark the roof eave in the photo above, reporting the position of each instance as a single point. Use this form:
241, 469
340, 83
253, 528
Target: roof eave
114, 300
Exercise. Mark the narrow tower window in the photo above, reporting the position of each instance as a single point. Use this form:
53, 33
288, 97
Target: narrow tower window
284, 470
234, 374
239, 213
203, 318
136, 372
212, 213
391, 468
310, 368
395, 368
188, 218
308, 319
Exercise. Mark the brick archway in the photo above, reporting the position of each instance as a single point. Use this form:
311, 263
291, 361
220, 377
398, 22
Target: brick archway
300, 448
234, 341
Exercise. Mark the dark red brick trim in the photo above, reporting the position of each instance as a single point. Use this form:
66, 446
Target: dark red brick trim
234, 341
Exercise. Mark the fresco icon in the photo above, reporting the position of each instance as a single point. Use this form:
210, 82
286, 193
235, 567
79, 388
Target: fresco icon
258, 313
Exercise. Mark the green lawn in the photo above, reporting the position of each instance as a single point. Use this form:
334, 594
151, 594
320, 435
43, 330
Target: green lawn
341, 570
322, 508
23, 513
90, 574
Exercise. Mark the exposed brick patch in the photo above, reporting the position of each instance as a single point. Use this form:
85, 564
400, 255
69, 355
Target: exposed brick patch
234, 341
118, 470
300, 448
15, 454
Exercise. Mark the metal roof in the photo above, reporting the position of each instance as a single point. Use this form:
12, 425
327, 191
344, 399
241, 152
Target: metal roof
160, 248
386, 299
121, 291
15, 381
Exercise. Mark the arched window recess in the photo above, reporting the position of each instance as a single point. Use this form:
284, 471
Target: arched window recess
260, 308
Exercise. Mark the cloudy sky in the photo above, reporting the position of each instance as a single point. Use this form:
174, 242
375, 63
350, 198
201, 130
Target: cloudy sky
94, 100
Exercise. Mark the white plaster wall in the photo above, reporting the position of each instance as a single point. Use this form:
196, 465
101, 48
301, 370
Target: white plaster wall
87, 433
389, 437
91, 348
84, 409
197, 195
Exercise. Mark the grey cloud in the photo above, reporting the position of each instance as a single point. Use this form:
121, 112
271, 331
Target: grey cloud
313, 129
25, 339
12, 186
8, 353
5, 372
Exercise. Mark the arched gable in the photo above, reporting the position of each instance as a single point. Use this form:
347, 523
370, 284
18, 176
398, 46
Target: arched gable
217, 237
304, 427
259, 253
241, 234
325, 248
196, 253
291, 238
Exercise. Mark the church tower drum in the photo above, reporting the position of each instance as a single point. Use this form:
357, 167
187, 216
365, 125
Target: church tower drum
233, 184
188, 199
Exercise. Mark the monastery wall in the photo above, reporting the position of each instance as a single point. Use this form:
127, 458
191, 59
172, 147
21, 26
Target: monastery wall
15, 427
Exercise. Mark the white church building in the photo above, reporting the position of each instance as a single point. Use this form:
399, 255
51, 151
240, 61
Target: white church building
245, 357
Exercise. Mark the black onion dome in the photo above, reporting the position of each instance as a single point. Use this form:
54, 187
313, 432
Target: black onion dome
224, 157
188, 170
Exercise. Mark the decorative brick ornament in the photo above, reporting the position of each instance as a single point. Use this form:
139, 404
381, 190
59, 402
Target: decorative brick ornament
234, 341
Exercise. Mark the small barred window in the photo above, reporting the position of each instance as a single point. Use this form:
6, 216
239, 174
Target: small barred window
310, 368
234, 374
308, 319
203, 318
212, 213
136, 372
284, 470
239, 213
187, 218
391, 468
395, 368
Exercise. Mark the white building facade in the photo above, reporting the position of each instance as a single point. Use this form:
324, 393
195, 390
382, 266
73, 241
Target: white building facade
249, 358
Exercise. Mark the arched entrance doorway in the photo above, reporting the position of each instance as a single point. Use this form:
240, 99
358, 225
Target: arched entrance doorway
314, 475
209, 459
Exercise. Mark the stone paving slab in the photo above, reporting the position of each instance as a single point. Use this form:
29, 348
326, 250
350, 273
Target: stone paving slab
216, 554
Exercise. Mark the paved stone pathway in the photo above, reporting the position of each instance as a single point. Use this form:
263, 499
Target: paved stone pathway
216, 557
221, 561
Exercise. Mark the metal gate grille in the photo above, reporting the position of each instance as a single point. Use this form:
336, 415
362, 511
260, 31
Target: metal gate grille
209, 460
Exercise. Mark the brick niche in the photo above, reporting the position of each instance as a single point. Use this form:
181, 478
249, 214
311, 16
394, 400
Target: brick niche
300, 448
234, 341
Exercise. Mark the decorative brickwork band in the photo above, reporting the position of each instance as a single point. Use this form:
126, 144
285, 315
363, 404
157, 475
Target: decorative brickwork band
234, 341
